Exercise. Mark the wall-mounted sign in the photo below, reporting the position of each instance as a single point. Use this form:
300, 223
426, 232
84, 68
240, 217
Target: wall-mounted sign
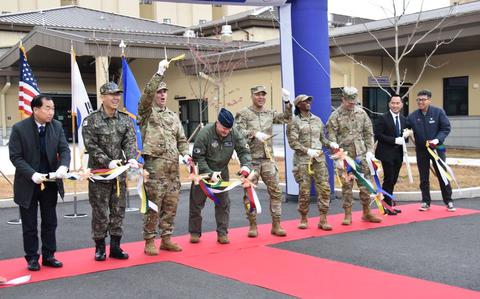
380, 80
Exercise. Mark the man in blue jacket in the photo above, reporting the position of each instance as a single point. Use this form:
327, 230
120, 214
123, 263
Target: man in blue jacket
429, 124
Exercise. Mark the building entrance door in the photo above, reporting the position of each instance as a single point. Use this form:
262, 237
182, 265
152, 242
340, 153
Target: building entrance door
189, 112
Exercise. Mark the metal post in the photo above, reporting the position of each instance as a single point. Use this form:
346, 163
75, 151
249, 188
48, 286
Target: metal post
75, 214
16, 221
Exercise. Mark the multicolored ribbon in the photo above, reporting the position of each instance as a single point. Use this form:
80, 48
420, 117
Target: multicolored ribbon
446, 172
374, 166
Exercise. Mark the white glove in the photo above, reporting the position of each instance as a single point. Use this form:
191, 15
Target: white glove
61, 172
407, 133
434, 141
216, 176
38, 178
261, 136
334, 145
399, 140
162, 66
312, 153
244, 171
186, 159
370, 156
133, 164
285, 95
114, 164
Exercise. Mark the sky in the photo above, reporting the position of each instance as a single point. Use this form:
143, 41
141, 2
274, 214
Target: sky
372, 8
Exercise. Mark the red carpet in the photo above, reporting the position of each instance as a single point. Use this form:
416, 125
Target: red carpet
273, 268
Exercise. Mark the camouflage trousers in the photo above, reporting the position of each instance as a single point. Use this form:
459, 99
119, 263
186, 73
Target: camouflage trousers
347, 186
108, 210
322, 186
268, 171
162, 188
197, 203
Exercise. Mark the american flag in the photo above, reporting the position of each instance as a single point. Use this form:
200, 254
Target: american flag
27, 85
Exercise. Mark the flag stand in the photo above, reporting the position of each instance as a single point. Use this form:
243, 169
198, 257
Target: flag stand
73, 113
127, 194
13, 221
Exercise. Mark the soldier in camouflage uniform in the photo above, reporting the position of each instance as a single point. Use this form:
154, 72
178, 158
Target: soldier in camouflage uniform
109, 138
163, 140
306, 137
212, 151
351, 128
256, 124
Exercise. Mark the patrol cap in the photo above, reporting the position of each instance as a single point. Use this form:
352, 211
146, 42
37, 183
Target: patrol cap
257, 89
350, 94
162, 85
301, 98
110, 88
225, 117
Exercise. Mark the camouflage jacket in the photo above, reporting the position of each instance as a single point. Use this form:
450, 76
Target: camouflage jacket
108, 138
249, 121
162, 131
352, 130
212, 153
304, 133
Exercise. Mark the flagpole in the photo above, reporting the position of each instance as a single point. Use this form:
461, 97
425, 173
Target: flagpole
74, 149
18, 220
122, 46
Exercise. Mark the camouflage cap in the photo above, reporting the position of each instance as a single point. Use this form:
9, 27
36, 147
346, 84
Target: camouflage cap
257, 89
300, 98
350, 94
162, 85
110, 88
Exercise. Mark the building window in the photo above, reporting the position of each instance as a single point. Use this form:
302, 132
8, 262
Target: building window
145, 1
455, 95
167, 20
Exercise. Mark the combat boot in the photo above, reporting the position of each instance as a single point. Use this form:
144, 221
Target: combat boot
252, 230
323, 224
277, 229
100, 254
348, 216
223, 239
168, 245
194, 238
368, 216
303, 222
150, 248
115, 251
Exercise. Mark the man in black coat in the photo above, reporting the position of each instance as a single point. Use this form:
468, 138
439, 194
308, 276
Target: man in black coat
39, 150
388, 133
430, 125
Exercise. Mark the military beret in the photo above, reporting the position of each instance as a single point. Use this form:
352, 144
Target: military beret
225, 117
301, 98
162, 85
110, 88
257, 89
350, 94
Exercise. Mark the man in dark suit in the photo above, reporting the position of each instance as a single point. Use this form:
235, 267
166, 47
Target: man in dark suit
388, 132
430, 125
39, 151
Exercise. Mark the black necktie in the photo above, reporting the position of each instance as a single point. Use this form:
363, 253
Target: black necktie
41, 130
397, 127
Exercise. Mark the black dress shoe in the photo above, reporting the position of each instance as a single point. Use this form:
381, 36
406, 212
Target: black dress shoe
52, 262
397, 211
391, 213
33, 265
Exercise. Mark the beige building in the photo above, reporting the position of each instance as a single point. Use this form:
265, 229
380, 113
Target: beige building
216, 74
181, 14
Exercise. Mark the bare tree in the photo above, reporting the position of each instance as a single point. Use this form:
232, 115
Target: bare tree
401, 51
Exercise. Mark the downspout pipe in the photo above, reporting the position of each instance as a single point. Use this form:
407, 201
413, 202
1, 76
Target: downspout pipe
3, 107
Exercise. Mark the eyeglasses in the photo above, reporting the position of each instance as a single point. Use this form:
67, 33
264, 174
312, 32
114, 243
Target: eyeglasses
422, 99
